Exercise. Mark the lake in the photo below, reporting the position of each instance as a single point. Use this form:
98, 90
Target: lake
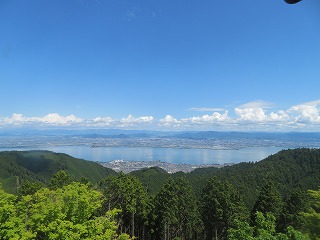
170, 155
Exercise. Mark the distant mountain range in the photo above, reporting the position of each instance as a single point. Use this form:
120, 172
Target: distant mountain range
119, 133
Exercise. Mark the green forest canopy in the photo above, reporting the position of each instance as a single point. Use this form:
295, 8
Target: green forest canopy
263, 200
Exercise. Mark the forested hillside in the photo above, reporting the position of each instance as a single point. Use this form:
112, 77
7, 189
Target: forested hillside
288, 169
16, 167
277, 198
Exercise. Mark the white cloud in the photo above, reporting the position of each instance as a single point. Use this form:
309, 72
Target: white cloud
279, 116
132, 121
101, 121
146, 119
305, 115
50, 119
214, 118
169, 121
56, 119
306, 112
255, 112
250, 116
15, 119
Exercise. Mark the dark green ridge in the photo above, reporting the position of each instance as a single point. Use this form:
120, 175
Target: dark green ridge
18, 166
288, 168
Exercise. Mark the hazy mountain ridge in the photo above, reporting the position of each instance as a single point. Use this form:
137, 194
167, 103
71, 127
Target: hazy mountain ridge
118, 133
135, 138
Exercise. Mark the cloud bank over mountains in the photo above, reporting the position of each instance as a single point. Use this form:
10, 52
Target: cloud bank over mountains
252, 116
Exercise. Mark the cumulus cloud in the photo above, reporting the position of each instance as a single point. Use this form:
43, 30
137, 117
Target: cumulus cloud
56, 119
214, 118
169, 121
101, 121
50, 119
132, 121
251, 116
15, 119
259, 115
256, 112
306, 112
305, 115
279, 116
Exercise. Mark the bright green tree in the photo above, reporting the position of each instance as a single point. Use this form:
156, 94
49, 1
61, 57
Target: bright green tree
11, 223
293, 234
241, 231
264, 229
312, 216
70, 212
265, 226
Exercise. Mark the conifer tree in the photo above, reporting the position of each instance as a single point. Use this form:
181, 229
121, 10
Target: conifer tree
221, 206
269, 201
176, 211
126, 193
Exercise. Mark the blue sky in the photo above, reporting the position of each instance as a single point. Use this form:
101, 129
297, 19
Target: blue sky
160, 64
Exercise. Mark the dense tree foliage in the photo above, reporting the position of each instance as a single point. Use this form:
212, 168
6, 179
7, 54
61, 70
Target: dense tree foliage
70, 212
221, 205
289, 169
264, 228
126, 193
39, 166
269, 201
29, 188
294, 204
312, 215
59, 179
176, 212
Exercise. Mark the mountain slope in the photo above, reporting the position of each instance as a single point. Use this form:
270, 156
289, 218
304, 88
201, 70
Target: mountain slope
288, 168
16, 166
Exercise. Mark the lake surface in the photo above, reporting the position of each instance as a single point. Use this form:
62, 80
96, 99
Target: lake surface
170, 155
